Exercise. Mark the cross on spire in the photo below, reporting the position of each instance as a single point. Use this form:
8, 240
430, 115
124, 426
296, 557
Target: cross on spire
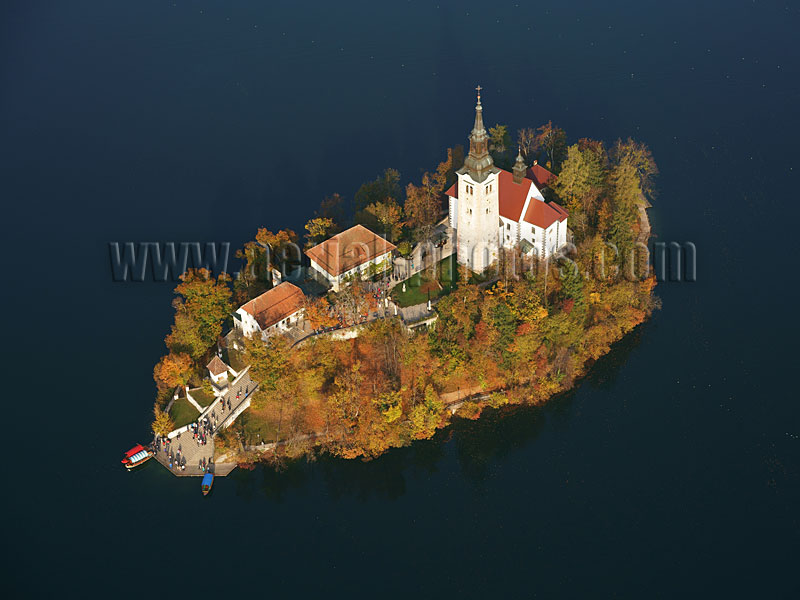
479, 88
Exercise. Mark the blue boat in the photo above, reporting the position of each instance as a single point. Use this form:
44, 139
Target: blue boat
208, 481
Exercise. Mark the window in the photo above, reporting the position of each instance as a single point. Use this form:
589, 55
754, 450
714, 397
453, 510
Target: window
508, 225
487, 211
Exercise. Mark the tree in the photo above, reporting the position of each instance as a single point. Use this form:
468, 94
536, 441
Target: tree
202, 307
526, 304
317, 313
173, 370
553, 141
499, 139
388, 214
282, 247
269, 361
385, 186
332, 207
425, 416
633, 161
423, 203
277, 242
162, 423
318, 230
528, 143
345, 400
581, 182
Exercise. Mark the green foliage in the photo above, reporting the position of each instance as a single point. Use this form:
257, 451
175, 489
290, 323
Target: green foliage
385, 186
200, 311
404, 248
572, 286
499, 139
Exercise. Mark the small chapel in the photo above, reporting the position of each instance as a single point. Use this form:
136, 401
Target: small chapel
490, 208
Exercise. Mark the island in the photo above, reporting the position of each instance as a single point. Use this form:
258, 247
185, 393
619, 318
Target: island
498, 279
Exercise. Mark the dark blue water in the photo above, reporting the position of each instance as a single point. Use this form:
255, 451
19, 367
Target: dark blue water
673, 469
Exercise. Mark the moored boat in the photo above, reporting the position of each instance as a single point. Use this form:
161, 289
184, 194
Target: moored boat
136, 456
208, 481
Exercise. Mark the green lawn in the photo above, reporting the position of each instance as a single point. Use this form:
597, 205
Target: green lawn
182, 412
419, 289
201, 397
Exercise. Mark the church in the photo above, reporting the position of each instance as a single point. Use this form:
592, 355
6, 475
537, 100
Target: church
490, 208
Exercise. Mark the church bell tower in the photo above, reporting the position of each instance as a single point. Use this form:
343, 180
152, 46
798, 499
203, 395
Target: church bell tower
477, 233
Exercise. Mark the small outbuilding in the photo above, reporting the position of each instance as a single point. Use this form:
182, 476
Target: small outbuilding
217, 369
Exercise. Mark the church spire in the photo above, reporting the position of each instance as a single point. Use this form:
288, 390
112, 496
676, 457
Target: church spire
478, 162
520, 168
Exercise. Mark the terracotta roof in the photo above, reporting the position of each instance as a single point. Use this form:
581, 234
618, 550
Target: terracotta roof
540, 176
276, 304
512, 195
544, 214
216, 366
348, 250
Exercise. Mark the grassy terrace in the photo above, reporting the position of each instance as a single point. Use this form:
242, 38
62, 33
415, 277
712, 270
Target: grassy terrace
234, 359
420, 285
182, 412
201, 397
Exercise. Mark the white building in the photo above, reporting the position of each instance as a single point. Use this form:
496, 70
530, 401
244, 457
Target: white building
274, 311
217, 369
356, 252
490, 208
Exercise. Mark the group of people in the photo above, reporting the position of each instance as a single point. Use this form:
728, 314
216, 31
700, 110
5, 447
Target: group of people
176, 459
202, 430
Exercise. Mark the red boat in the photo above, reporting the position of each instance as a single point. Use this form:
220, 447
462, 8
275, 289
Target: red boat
136, 456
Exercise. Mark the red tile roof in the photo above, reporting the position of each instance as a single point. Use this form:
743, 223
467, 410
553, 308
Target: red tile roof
348, 250
544, 214
276, 304
511, 195
541, 176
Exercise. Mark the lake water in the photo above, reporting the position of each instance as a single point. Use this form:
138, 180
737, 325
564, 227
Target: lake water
673, 469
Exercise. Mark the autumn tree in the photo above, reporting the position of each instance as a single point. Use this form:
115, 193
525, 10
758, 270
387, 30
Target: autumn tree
426, 416
553, 141
388, 215
162, 423
173, 370
200, 310
424, 202
317, 312
268, 360
318, 229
